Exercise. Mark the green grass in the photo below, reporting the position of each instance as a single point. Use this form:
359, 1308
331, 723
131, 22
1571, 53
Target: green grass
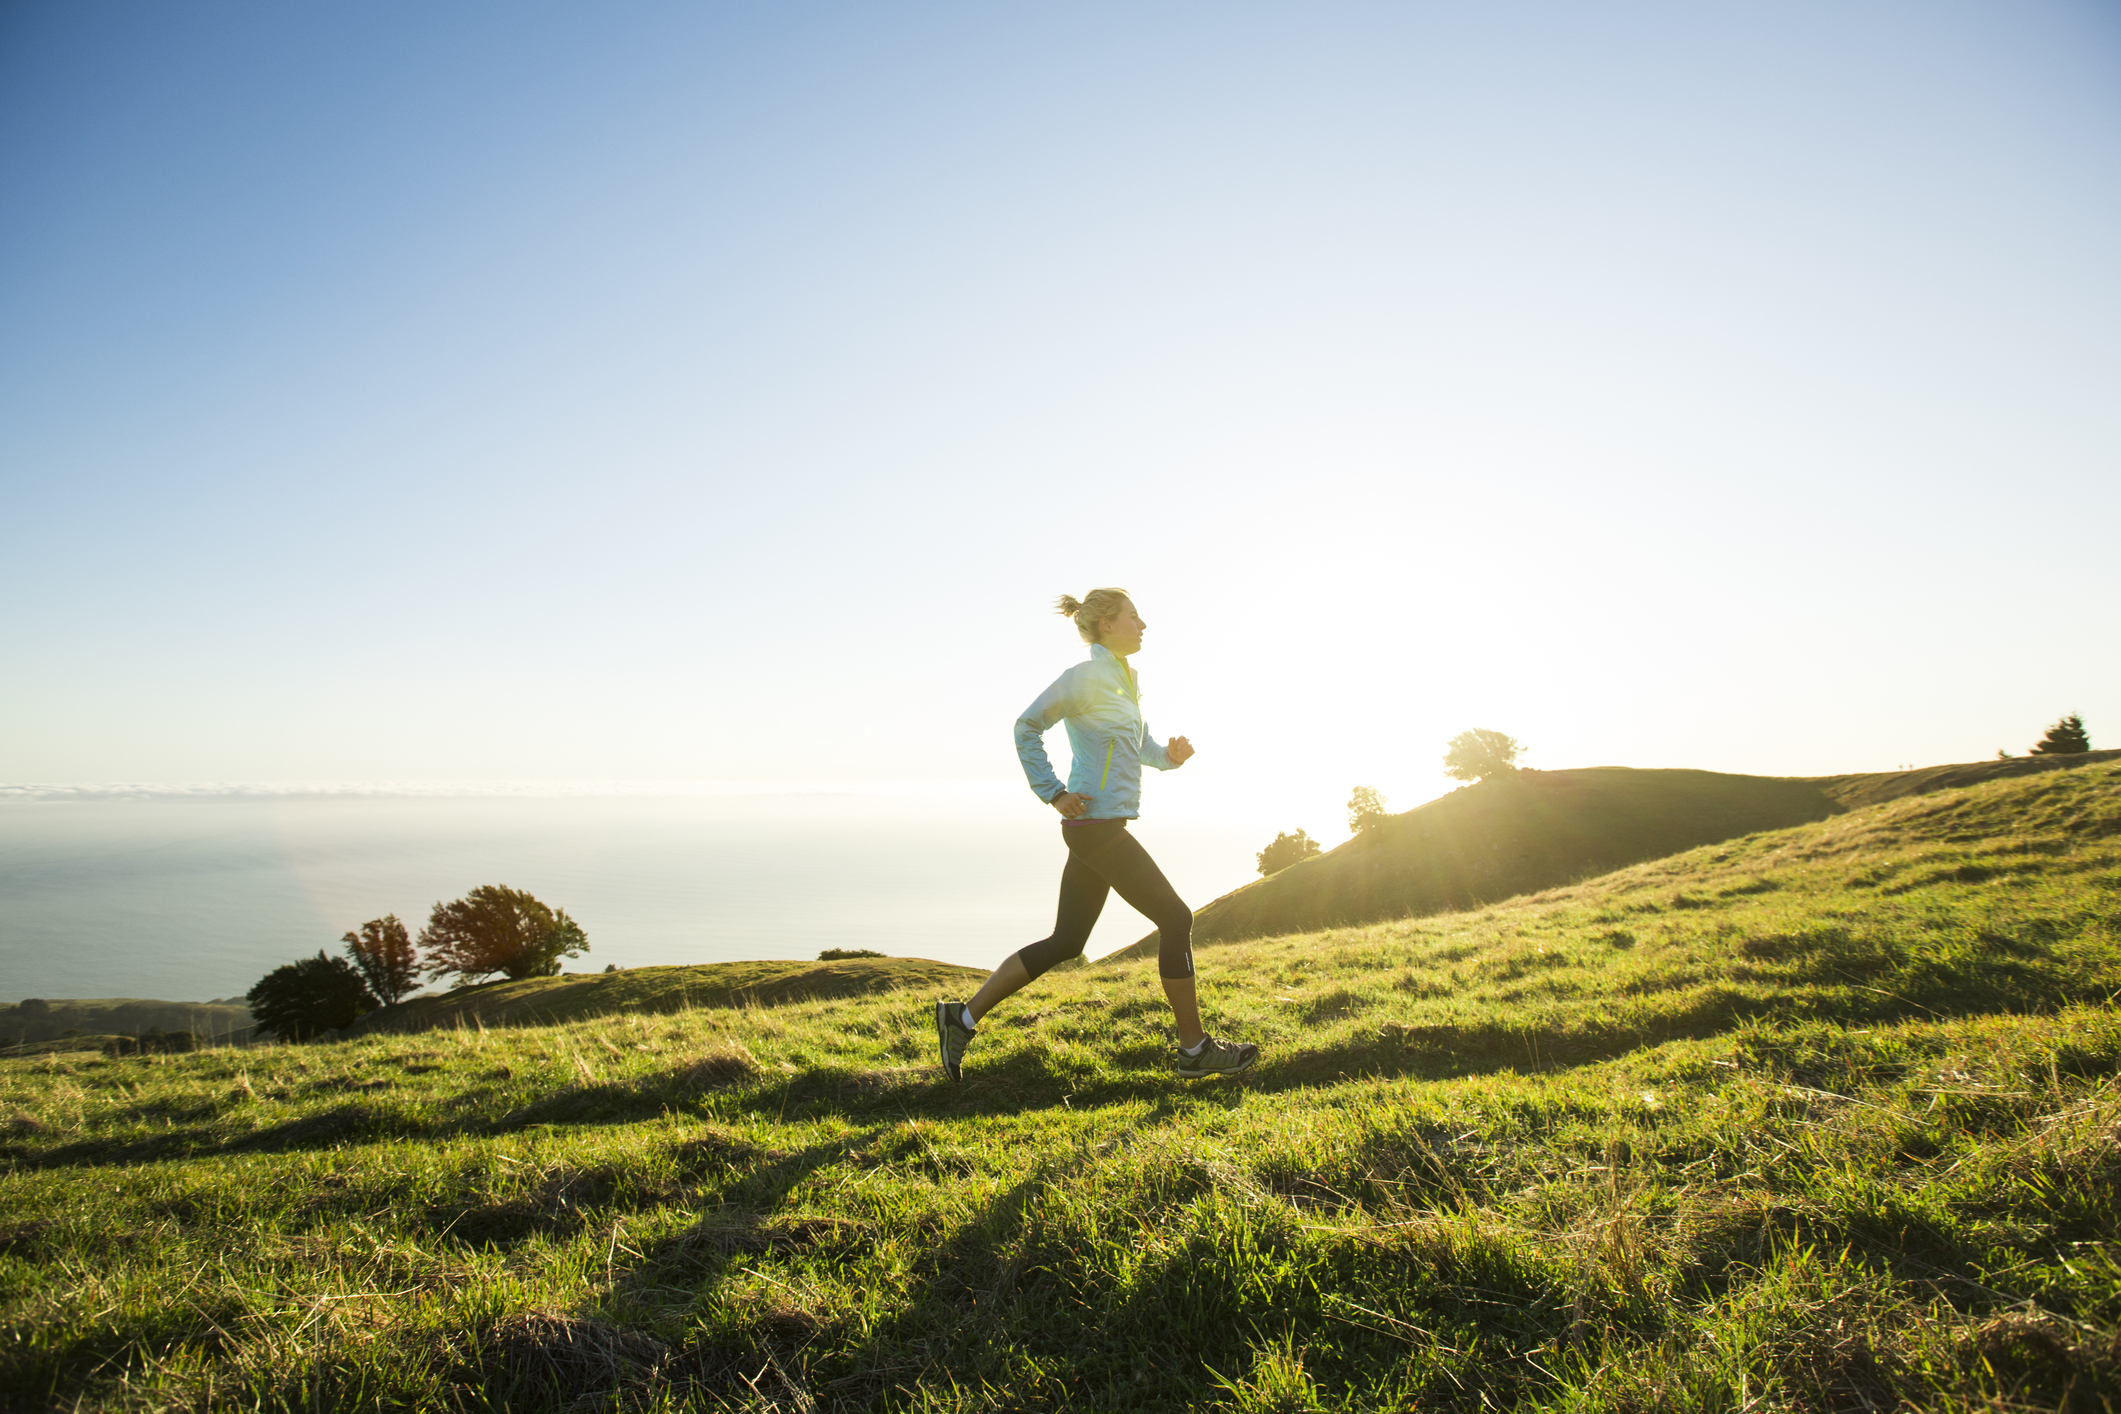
547, 1000
1827, 1118
1531, 830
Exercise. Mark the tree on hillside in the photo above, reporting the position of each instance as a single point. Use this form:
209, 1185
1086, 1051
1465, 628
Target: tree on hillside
2065, 738
1286, 850
1366, 810
1478, 754
306, 998
383, 952
498, 929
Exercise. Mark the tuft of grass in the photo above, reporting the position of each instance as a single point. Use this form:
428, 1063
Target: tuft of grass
1843, 1132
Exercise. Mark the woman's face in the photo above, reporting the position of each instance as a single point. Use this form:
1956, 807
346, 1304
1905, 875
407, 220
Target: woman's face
1122, 633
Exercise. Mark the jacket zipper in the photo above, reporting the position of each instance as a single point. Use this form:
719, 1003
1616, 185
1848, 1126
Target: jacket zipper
1126, 679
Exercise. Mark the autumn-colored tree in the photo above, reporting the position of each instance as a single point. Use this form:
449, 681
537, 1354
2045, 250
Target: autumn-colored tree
2065, 738
498, 929
1366, 810
1286, 850
383, 952
1479, 754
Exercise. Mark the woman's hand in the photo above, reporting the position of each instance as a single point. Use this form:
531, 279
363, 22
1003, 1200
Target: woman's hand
1179, 750
1070, 805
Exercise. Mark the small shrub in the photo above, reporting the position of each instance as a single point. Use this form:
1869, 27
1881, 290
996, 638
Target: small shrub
306, 998
1286, 850
2066, 737
842, 954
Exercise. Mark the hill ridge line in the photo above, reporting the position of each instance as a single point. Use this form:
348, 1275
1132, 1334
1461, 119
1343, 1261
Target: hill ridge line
1518, 834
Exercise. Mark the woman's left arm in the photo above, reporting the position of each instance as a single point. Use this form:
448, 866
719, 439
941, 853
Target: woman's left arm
1165, 757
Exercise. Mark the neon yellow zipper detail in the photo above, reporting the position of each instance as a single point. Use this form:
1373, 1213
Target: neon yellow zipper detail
1126, 677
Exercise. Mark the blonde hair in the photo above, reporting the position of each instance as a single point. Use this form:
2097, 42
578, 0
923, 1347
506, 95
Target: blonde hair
1093, 609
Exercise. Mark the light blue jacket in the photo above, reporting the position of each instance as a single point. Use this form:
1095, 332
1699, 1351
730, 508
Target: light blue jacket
1108, 738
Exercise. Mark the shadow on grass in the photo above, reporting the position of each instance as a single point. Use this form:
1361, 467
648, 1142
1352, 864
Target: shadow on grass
1831, 977
743, 1222
965, 1272
1021, 1287
545, 1361
45, 1359
565, 1203
343, 1124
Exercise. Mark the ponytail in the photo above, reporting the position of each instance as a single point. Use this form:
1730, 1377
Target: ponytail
1091, 611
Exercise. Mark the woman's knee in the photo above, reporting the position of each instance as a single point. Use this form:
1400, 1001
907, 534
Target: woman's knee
1048, 953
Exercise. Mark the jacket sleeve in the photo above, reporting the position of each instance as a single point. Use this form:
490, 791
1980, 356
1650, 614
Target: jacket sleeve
1153, 753
1031, 728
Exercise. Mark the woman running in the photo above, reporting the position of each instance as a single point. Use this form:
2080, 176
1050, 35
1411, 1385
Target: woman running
1108, 741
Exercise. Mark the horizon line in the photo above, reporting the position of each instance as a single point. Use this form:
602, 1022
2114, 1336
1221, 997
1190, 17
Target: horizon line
518, 788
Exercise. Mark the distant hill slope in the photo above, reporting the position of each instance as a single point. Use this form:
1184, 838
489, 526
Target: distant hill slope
28, 1022
541, 1001
1540, 829
1855, 792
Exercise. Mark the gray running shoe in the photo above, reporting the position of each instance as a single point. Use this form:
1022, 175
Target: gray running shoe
1217, 1058
952, 1036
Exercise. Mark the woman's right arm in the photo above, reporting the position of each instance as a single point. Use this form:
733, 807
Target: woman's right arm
1031, 728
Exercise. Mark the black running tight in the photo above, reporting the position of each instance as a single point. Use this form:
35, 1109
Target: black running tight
1102, 857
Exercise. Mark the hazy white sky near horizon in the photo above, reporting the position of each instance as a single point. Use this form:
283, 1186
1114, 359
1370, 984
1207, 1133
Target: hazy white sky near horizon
710, 392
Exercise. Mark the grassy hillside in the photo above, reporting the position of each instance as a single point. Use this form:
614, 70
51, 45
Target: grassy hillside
88, 1041
652, 990
1536, 829
1826, 1118
120, 1016
1875, 788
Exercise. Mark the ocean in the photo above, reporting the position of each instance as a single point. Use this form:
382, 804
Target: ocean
192, 895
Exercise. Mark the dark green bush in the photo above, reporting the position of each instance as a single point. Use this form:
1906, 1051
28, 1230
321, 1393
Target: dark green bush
306, 998
2065, 738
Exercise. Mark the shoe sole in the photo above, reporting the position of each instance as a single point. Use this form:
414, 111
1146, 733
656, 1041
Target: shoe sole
1185, 1074
942, 1041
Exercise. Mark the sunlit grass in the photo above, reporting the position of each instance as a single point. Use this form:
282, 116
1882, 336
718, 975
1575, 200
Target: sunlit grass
1827, 1118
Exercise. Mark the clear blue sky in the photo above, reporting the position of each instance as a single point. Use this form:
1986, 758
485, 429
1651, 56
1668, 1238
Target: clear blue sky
417, 391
